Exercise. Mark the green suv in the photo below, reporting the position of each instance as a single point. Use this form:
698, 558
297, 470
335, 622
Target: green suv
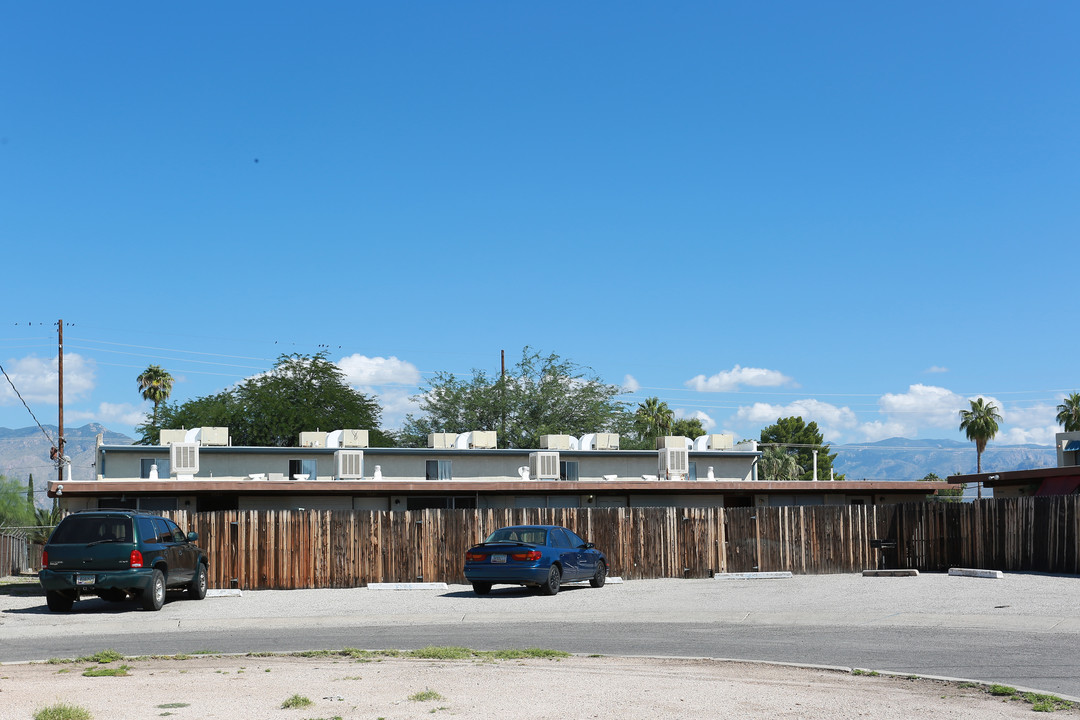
117, 554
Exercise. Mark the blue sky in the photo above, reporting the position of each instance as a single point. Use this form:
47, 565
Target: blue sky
862, 213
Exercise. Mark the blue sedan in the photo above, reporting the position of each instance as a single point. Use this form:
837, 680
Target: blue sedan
542, 556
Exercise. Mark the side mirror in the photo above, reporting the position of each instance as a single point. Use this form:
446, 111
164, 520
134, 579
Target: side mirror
192, 536
588, 546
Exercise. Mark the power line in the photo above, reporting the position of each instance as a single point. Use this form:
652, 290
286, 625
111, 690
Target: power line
52, 442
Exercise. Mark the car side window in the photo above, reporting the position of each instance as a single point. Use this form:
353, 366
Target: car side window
177, 534
560, 538
575, 539
163, 534
147, 532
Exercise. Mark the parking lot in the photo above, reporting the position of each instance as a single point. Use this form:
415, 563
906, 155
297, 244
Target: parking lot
1034, 619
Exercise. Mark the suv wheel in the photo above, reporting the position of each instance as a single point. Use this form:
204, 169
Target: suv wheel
197, 588
59, 601
153, 597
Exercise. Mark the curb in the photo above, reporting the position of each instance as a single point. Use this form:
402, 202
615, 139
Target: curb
754, 576
968, 572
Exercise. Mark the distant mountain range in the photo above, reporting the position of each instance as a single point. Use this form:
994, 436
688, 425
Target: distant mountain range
906, 459
25, 452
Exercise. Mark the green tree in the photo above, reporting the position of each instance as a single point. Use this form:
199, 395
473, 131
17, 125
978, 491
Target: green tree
688, 427
1068, 415
801, 439
301, 393
15, 510
155, 384
951, 495
980, 423
540, 395
779, 464
653, 419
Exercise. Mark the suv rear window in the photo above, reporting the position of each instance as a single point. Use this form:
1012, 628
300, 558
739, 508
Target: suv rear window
82, 529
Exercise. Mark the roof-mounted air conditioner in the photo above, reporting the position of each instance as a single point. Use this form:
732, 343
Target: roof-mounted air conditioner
554, 442
441, 441
312, 439
349, 464
674, 463
544, 465
607, 441
183, 459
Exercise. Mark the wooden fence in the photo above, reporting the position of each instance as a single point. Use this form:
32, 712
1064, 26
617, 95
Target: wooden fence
16, 554
316, 549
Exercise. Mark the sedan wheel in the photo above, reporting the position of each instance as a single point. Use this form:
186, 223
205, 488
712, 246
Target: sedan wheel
153, 597
554, 581
600, 577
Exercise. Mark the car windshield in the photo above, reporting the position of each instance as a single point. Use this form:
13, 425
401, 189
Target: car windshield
76, 529
531, 535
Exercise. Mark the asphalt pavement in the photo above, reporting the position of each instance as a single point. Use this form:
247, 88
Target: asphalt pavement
1021, 630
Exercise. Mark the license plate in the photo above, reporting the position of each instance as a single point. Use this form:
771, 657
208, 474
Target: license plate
85, 579
500, 558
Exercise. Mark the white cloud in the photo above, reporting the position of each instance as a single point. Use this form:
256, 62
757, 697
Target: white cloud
396, 403
361, 370
706, 422
1023, 436
729, 380
630, 384
832, 420
936, 369
110, 413
878, 430
37, 379
923, 405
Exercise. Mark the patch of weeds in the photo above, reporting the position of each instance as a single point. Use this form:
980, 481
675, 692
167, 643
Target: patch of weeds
267, 670
426, 695
1001, 690
296, 701
435, 710
63, 711
336, 717
442, 653
595, 655
868, 673
260, 654
206, 652
172, 706
63, 670
352, 677
105, 656
120, 671
1047, 703
537, 653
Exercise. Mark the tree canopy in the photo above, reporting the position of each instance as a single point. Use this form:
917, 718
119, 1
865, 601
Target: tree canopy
1068, 415
980, 423
540, 395
779, 464
155, 384
15, 509
301, 393
800, 439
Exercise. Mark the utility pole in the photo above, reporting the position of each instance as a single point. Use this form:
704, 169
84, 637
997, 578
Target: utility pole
60, 399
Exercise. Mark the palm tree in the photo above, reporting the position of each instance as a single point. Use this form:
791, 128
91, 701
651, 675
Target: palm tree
981, 425
1069, 413
779, 465
155, 384
654, 418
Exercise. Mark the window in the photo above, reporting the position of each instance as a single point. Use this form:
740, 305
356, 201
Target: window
568, 470
438, 470
559, 538
691, 471
575, 539
303, 467
146, 463
440, 502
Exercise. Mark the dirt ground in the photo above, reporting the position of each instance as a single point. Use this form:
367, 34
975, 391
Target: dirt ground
239, 687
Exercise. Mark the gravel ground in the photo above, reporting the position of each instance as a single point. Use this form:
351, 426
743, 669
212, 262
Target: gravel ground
579, 687
585, 687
